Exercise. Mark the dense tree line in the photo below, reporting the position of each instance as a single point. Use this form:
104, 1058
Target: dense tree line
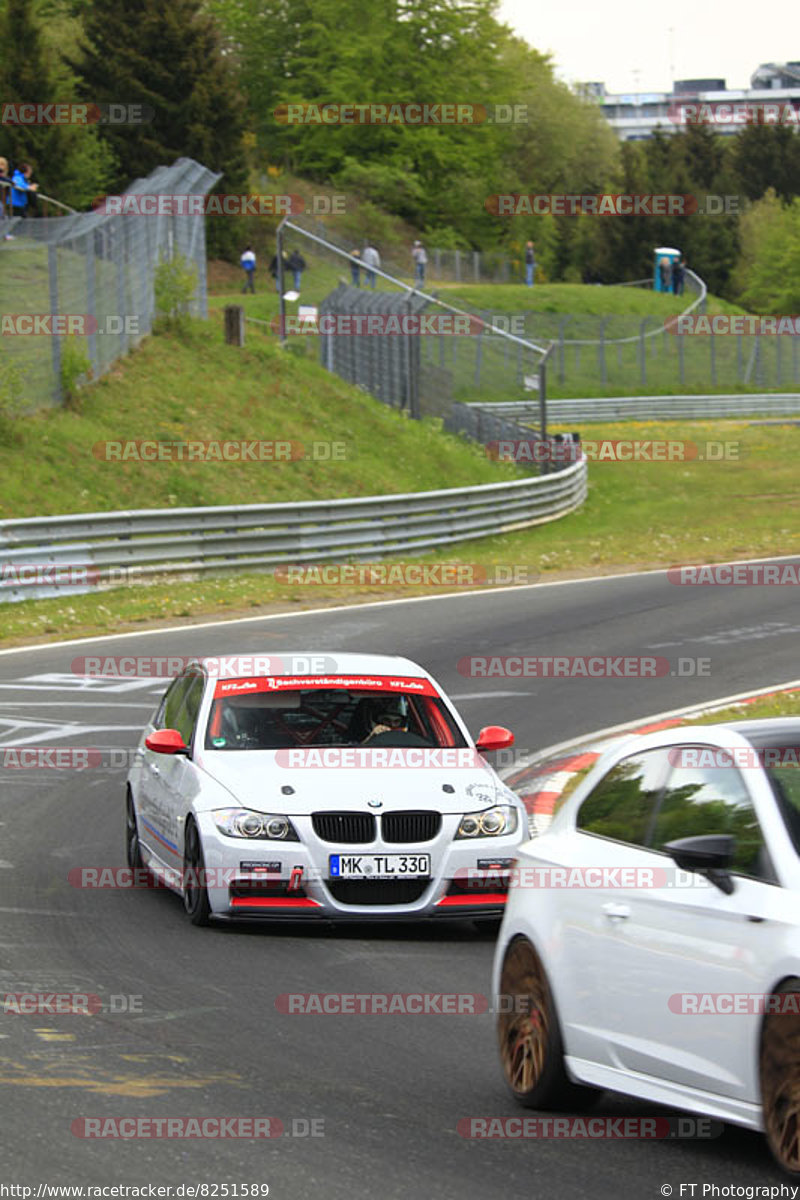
214, 74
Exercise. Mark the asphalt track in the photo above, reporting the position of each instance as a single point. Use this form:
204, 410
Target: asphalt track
208, 1041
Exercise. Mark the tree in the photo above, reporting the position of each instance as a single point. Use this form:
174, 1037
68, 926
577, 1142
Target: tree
168, 59
768, 275
69, 161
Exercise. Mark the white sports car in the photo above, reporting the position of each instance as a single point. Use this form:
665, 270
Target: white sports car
651, 940
347, 788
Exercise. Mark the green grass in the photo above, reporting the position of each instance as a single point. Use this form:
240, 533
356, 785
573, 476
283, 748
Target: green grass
638, 515
572, 299
196, 387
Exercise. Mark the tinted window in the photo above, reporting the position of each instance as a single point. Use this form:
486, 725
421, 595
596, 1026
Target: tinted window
713, 799
623, 803
171, 704
328, 717
187, 717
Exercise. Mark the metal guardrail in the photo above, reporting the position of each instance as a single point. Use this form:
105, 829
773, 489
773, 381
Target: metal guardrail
152, 542
658, 408
698, 302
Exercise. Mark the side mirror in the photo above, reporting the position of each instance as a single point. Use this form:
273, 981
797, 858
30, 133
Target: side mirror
166, 741
709, 854
494, 737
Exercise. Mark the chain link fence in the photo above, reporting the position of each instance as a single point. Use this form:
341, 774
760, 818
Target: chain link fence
95, 272
455, 355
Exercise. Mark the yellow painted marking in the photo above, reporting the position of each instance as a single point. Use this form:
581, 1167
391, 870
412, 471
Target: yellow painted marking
66, 1070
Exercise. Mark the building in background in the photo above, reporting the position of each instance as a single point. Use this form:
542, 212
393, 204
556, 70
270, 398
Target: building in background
636, 115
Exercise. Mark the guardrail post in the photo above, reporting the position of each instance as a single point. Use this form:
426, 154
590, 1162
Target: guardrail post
778, 362
712, 345
681, 363
642, 352
794, 358
739, 358
458, 266
476, 265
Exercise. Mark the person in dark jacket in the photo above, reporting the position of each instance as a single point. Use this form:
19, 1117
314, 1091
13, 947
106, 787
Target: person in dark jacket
678, 271
5, 192
297, 264
273, 269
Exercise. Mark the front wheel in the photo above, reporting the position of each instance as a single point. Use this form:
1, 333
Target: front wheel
195, 893
531, 1050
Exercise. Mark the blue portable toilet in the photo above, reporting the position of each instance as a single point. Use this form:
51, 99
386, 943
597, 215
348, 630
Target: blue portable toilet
673, 256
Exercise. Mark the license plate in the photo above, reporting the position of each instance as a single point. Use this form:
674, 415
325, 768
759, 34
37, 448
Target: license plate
379, 866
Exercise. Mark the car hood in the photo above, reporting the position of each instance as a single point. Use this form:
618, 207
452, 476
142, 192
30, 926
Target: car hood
256, 780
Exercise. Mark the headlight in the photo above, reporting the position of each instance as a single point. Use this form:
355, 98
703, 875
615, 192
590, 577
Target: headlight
243, 823
492, 822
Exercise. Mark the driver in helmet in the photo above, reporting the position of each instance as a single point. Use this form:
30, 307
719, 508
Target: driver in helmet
387, 715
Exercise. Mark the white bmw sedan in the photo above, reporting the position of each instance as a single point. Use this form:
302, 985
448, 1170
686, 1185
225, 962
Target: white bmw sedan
651, 940
353, 792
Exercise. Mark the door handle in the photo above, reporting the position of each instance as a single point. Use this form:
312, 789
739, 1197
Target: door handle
616, 912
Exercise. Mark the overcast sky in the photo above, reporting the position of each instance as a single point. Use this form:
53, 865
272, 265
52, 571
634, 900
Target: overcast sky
627, 44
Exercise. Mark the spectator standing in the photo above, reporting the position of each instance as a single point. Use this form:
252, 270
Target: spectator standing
665, 270
678, 273
273, 269
5, 193
296, 264
420, 262
248, 262
21, 180
371, 259
530, 264
355, 268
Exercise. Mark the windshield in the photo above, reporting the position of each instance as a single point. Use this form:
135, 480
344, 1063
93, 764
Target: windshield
273, 713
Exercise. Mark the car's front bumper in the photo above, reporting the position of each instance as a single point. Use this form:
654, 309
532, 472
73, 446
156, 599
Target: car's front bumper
294, 881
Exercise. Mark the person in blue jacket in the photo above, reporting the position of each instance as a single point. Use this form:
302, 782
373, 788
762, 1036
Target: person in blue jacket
21, 180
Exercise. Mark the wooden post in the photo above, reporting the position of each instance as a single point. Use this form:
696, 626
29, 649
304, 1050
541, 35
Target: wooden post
234, 325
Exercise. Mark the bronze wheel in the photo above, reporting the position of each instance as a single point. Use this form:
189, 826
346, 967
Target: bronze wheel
780, 1079
531, 1051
